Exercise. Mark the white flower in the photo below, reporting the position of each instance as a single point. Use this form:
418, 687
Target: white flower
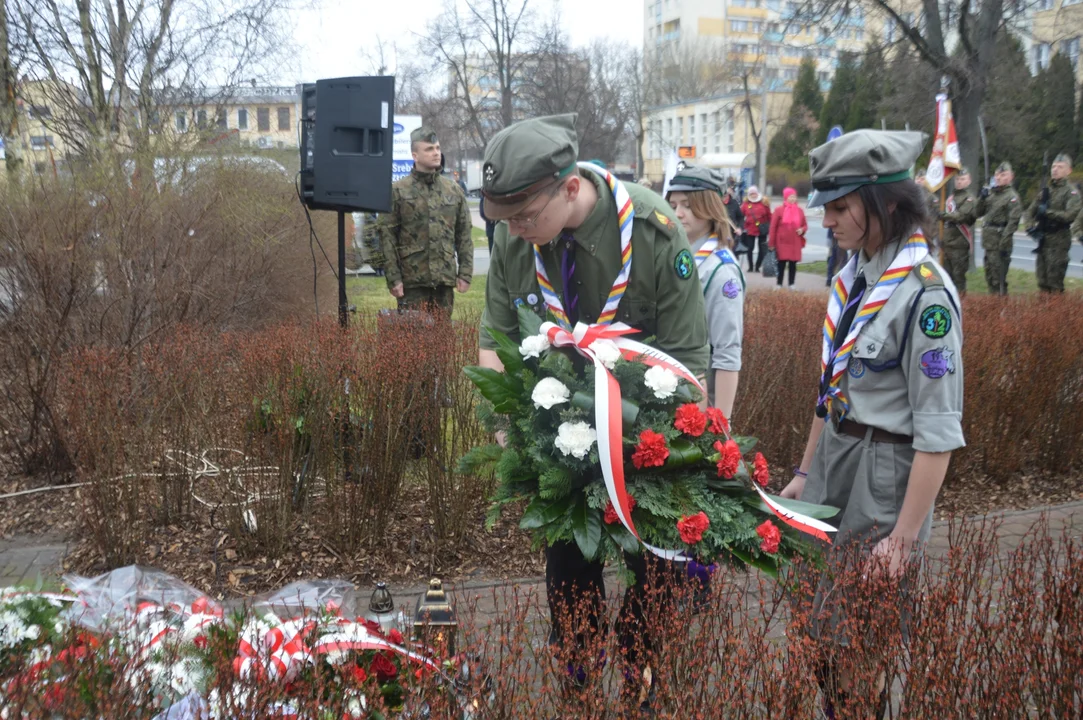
575, 439
336, 657
662, 381
606, 351
356, 706
549, 392
534, 346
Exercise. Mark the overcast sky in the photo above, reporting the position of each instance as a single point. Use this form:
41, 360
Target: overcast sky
331, 37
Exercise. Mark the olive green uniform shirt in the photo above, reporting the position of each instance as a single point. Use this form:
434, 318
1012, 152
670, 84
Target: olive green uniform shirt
965, 213
427, 230
659, 302
1001, 212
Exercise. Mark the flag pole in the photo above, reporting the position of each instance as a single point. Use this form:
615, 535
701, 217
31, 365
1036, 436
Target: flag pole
940, 229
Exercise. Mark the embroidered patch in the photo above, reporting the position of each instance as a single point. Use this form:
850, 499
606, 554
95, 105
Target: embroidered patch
683, 264
935, 321
519, 302
663, 219
857, 368
532, 299
925, 272
938, 362
731, 289
490, 173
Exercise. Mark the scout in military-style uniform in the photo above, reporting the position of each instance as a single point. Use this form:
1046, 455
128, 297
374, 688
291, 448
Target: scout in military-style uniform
890, 402
1057, 209
696, 197
566, 214
426, 242
1001, 210
958, 230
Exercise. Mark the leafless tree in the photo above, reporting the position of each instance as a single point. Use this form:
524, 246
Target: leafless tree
112, 69
8, 112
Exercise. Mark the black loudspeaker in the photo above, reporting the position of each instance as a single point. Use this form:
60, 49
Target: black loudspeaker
348, 127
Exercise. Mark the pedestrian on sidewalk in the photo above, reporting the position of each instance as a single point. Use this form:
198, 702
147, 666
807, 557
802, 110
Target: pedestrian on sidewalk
757, 212
890, 405
787, 235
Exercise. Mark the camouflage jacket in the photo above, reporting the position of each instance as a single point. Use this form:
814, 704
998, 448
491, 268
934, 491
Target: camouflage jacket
1001, 210
958, 222
1064, 206
426, 232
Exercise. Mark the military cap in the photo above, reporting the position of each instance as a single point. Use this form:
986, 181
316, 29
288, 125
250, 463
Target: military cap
1063, 158
423, 134
692, 179
525, 158
1004, 167
861, 157
964, 170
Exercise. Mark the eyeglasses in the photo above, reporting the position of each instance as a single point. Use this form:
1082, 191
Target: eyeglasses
519, 221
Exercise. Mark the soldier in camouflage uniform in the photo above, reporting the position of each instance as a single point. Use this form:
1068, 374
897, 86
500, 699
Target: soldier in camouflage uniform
932, 205
1058, 207
1001, 209
427, 230
958, 230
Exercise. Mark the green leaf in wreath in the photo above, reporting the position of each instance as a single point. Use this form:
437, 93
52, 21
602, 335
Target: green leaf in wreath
507, 351
529, 322
683, 453
746, 443
625, 539
496, 387
760, 563
586, 528
554, 482
629, 411
542, 512
480, 461
820, 512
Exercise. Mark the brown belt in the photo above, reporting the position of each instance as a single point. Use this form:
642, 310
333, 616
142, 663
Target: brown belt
857, 430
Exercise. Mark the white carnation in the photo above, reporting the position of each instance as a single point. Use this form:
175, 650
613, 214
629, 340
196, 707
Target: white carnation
606, 351
662, 381
575, 439
549, 392
534, 346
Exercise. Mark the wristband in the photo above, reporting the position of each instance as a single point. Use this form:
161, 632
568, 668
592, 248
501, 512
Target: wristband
797, 471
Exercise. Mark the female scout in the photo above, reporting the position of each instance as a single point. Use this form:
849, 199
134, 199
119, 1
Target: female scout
696, 197
890, 400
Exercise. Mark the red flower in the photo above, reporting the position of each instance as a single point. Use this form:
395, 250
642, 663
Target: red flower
372, 626
359, 674
610, 515
692, 527
759, 472
394, 636
651, 450
719, 424
770, 537
690, 420
382, 668
730, 458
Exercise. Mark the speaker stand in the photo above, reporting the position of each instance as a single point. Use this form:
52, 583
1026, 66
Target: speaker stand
343, 321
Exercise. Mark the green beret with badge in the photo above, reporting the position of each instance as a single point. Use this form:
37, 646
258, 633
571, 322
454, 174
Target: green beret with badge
862, 157
525, 158
423, 134
1004, 167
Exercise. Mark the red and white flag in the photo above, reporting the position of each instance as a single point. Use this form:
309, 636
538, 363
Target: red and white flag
944, 160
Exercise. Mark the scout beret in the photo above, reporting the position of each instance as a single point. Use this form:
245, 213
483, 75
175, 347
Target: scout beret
423, 134
692, 179
525, 158
1004, 167
861, 157
1064, 158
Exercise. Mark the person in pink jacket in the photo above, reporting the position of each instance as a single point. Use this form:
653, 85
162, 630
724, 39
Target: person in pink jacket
787, 238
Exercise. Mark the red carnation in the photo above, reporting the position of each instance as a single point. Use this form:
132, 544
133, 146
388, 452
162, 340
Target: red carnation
651, 450
610, 515
394, 636
690, 420
382, 668
719, 424
759, 471
770, 536
372, 626
730, 458
692, 527
359, 674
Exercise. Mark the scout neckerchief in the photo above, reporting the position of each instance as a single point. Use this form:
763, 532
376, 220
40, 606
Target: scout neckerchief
625, 215
834, 362
710, 247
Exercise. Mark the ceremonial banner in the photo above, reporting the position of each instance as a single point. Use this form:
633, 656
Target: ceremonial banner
945, 158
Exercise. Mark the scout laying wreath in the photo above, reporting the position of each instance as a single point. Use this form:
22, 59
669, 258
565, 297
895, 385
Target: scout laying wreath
606, 444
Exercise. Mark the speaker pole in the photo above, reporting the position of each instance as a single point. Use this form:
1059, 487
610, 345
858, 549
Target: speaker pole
343, 308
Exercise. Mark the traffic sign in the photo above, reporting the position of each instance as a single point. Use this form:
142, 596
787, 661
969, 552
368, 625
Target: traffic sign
686, 151
835, 133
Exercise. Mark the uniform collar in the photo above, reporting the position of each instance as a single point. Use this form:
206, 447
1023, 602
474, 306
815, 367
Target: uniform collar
872, 268
1058, 183
429, 177
962, 193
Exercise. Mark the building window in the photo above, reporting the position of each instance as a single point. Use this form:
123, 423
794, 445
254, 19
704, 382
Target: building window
40, 112
859, 34
890, 31
263, 119
182, 121
283, 118
691, 129
739, 25
1066, 3
1046, 5
668, 139
40, 142
221, 121
1041, 56
242, 119
729, 131
822, 76
201, 119
680, 131
1070, 48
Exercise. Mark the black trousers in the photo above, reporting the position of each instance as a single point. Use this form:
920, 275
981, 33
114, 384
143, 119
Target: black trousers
576, 592
761, 242
782, 265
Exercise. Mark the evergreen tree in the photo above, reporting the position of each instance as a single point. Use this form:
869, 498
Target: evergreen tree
1009, 114
1053, 98
865, 109
806, 91
790, 145
840, 97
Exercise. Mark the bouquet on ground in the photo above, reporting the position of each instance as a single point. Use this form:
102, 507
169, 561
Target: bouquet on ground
608, 447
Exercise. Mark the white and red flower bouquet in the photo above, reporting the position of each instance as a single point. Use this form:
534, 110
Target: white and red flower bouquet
607, 445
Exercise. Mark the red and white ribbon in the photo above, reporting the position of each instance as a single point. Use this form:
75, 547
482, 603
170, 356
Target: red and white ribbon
356, 637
